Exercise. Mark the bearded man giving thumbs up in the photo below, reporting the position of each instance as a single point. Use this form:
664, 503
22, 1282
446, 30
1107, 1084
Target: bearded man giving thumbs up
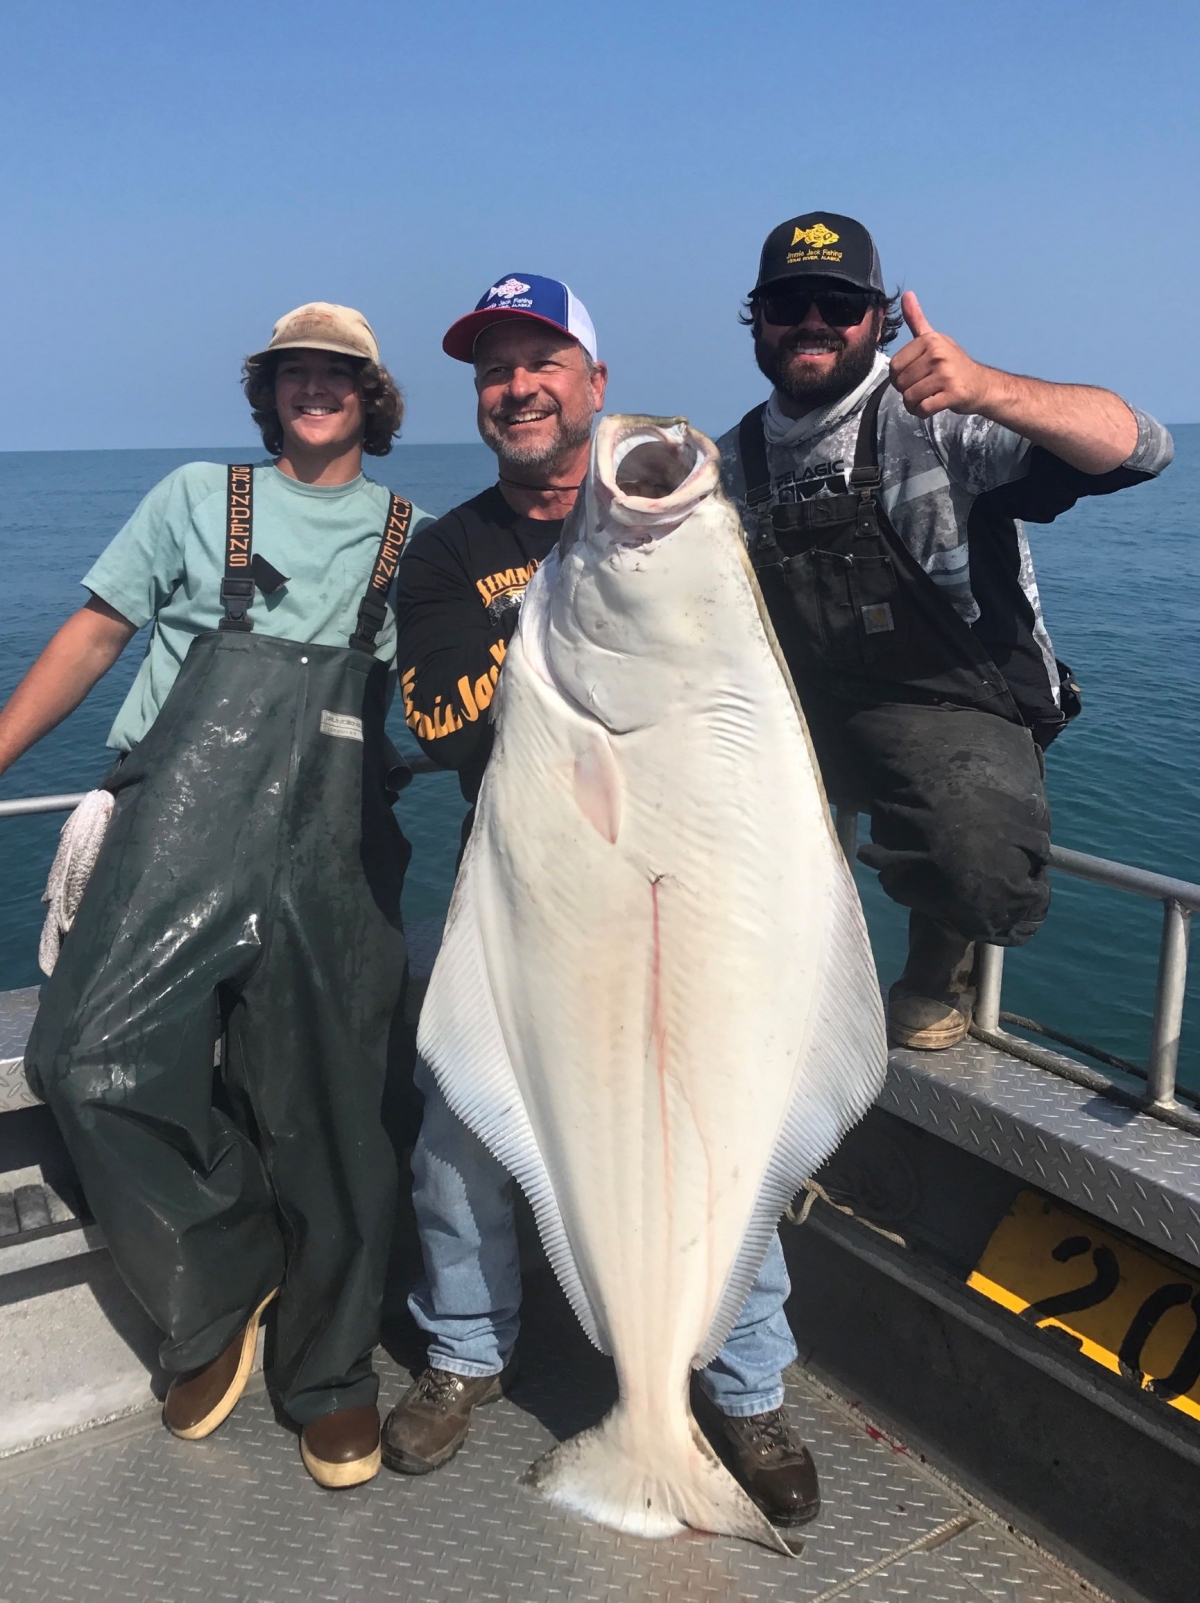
884, 507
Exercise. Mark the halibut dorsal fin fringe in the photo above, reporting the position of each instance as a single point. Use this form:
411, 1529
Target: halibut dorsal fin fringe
465, 1048
831, 1093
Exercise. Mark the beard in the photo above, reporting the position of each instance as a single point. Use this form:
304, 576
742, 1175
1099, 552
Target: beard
571, 430
851, 366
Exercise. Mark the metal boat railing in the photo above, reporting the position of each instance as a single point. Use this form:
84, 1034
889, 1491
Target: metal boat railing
1180, 899
21, 806
41, 804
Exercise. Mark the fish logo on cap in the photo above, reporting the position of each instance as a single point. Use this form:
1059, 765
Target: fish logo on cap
542, 300
509, 290
817, 236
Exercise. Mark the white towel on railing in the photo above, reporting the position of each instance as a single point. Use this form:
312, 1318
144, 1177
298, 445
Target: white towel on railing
78, 847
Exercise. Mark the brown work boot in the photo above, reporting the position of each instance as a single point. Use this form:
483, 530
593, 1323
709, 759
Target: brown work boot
775, 1468
930, 1005
196, 1403
342, 1448
429, 1424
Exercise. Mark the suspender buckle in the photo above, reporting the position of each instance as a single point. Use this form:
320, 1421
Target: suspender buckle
371, 614
865, 482
236, 595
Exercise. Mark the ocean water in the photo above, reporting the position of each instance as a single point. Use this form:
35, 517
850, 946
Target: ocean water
1120, 580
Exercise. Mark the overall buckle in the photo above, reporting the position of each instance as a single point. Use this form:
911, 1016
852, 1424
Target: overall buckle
236, 595
371, 614
865, 482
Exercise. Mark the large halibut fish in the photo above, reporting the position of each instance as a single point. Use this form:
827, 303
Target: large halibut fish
655, 1001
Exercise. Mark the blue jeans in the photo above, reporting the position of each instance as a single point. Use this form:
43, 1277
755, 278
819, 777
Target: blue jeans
470, 1299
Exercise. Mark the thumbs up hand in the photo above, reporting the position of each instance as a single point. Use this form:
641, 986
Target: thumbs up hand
917, 322
932, 373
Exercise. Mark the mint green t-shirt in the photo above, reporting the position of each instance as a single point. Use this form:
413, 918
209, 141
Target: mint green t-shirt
165, 567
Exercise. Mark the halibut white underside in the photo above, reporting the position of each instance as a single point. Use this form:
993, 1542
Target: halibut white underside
655, 1001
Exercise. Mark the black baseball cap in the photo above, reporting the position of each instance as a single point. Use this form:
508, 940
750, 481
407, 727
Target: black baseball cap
824, 245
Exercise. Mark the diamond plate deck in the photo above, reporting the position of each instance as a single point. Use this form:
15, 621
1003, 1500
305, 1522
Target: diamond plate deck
1109, 1160
17, 1009
969, 1569
236, 1518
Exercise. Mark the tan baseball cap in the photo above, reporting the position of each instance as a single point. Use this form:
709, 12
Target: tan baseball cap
321, 326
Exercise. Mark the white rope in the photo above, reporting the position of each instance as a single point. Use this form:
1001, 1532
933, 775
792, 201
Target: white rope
814, 1191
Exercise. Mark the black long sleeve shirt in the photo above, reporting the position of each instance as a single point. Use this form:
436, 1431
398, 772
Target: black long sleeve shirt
458, 595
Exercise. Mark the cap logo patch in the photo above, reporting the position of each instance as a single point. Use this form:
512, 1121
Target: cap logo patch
508, 291
818, 236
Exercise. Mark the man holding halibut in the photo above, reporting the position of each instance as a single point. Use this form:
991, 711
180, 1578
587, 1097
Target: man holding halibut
539, 386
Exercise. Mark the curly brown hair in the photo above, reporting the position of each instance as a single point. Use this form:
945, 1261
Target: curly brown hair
382, 402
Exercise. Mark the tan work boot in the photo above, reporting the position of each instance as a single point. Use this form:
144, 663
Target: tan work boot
930, 1005
342, 1448
199, 1401
430, 1422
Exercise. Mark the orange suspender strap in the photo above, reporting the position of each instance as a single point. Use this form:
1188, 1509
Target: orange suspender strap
237, 587
373, 607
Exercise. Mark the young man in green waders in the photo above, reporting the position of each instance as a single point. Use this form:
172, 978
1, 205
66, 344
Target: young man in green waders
247, 887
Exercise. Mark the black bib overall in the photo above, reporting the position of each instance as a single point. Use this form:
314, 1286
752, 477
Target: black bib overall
249, 884
856, 614
910, 717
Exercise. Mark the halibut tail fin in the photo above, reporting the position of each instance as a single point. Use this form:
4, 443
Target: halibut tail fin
650, 1486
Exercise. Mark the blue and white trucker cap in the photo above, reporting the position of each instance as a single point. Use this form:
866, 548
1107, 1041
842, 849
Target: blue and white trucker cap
538, 300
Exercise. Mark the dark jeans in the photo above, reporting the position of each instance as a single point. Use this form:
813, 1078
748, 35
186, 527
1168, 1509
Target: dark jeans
960, 825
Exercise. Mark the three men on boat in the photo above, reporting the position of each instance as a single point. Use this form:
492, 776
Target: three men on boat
247, 888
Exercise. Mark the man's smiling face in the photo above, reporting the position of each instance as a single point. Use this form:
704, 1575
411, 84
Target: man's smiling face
317, 398
812, 363
537, 393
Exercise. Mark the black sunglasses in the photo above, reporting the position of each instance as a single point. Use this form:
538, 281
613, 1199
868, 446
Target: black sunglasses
840, 308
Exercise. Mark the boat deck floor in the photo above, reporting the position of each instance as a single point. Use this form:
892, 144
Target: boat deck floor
125, 1511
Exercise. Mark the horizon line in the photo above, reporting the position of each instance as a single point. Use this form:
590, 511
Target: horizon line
68, 450
400, 445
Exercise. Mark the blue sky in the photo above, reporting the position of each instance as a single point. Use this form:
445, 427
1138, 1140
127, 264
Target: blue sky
175, 175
